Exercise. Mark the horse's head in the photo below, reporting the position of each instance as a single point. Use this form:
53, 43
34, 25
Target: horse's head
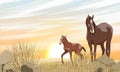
90, 24
63, 39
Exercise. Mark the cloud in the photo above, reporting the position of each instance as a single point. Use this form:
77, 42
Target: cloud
7, 1
39, 7
21, 36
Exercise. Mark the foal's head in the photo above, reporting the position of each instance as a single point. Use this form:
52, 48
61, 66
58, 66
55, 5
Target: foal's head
90, 24
63, 39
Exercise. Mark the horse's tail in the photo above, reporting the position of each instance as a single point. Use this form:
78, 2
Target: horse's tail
84, 49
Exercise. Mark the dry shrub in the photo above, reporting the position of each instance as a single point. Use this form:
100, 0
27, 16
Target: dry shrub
23, 53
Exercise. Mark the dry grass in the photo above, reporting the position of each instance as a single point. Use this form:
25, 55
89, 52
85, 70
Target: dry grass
79, 65
23, 53
84, 65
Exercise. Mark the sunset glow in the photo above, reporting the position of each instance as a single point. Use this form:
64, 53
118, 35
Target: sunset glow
56, 51
44, 21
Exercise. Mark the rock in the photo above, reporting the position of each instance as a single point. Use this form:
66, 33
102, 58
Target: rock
115, 68
99, 70
25, 68
7, 67
106, 60
5, 57
104, 63
9, 70
29, 67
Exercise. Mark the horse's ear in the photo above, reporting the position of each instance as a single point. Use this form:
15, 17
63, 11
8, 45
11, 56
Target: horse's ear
92, 16
88, 15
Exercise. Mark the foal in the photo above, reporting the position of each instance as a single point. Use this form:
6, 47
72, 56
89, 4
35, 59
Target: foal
70, 47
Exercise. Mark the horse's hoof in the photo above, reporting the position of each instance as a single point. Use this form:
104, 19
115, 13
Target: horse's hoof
91, 60
62, 62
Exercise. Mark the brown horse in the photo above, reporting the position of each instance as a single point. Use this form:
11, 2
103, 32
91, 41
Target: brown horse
70, 47
97, 35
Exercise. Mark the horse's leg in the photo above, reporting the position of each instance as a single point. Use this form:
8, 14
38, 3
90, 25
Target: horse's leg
95, 51
102, 48
63, 55
79, 54
108, 48
71, 57
91, 53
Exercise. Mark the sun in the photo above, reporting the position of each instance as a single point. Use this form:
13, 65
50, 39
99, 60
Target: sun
56, 50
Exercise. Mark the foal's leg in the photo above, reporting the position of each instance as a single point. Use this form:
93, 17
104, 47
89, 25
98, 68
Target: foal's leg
102, 48
79, 54
63, 55
71, 57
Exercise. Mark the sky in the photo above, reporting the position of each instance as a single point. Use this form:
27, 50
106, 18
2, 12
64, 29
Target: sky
44, 21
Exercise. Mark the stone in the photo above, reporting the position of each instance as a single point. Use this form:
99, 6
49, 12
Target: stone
25, 68
99, 70
9, 70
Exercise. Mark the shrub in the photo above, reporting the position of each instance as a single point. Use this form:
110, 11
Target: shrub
23, 53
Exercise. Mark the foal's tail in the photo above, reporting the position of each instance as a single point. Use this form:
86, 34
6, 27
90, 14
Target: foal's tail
84, 49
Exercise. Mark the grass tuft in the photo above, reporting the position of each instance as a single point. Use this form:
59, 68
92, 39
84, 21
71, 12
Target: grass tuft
23, 53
